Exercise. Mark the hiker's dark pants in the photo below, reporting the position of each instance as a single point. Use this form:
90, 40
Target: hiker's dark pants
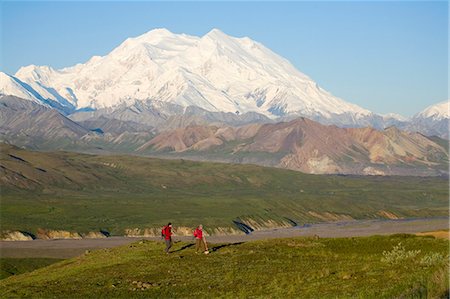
168, 244
198, 244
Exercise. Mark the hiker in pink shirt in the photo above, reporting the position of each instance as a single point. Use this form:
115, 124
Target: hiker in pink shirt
200, 241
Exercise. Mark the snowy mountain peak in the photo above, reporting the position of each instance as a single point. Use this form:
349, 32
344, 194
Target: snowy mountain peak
216, 34
154, 36
437, 112
216, 72
157, 32
35, 72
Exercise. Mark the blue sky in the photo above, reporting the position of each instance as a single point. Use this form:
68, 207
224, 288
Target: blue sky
383, 56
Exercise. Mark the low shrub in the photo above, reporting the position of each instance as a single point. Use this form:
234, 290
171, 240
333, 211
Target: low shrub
398, 254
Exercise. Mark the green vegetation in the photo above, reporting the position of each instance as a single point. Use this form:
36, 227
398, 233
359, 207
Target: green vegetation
78, 192
280, 268
15, 266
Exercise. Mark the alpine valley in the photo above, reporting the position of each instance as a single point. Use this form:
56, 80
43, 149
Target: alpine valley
217, 98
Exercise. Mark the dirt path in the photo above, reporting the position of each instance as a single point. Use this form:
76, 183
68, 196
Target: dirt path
70, 248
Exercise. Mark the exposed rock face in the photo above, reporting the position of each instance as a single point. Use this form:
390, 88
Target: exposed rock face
388, 215
137, 232
373, 171
16, 236
226, 231
95, 235
45, 234
56, 234
184, 231
261, 224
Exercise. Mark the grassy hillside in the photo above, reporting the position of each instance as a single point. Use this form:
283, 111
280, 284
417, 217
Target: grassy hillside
282, 268
16, 266
78, 192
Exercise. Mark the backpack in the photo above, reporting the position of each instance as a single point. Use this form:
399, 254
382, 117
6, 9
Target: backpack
163, 231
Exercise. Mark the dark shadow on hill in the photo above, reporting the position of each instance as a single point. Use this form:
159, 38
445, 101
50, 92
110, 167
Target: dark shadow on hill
18, 158
105, 233
215, 248
243, 227
32, 236
183, 248
292, 222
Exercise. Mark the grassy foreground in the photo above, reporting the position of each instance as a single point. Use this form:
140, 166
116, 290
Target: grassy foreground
78, 192
281, 268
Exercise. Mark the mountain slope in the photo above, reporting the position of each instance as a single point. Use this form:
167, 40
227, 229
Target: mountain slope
216, 72
14, 87
307, 146
24, 122
10, 85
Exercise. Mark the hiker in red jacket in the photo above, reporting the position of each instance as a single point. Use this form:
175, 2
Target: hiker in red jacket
200, 240
167, 234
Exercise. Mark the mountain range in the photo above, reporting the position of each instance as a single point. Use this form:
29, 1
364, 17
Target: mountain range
300, 144
307, 146
174, 94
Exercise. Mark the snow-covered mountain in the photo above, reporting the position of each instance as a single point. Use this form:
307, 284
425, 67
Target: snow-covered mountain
436, 112
216, 72
14, 87
434, 120
394, 116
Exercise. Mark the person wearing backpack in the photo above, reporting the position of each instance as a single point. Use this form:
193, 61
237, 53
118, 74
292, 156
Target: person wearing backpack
166, 233
200, 240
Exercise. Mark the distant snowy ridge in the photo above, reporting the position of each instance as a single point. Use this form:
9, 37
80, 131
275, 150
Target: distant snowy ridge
433, 120
438, 111
216, 72
394, 116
